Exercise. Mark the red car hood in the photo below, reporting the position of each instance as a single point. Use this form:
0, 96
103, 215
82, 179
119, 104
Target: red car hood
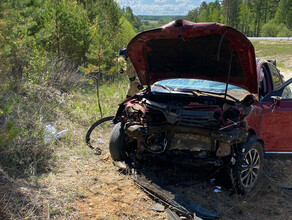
183, 49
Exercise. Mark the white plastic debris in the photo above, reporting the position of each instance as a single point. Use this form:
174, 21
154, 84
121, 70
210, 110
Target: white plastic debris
49, 133
61, 134
217, 189
100, 141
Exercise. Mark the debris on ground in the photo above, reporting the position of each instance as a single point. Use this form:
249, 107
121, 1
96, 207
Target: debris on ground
174, 200
171, 215
100, 141
158, 207
61, 134
49, 133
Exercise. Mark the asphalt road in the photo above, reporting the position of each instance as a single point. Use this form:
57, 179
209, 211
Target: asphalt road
270, 38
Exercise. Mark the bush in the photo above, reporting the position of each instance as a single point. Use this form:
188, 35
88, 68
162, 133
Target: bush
284, 32
22, 151
273, 29
53, 72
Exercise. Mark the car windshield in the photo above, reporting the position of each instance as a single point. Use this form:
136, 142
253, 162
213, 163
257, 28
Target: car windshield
172, 85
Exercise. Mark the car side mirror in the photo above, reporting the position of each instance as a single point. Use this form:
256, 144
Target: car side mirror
277, 99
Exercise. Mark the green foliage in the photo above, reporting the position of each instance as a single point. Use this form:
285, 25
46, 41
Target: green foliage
134, 20
88, 32
36, 72
284, 13
127, 30
15, 37
253, 18
274, 29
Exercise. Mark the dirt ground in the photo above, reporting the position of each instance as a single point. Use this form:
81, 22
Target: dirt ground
91, 187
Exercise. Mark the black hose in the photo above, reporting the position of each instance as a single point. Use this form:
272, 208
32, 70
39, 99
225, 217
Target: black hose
91, 128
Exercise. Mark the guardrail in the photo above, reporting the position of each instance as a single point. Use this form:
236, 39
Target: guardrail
270, 38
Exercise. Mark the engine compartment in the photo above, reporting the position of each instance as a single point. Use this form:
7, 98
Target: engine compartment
199, 126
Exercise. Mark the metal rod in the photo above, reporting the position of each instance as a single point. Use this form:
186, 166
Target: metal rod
147, 76
220, 44
228, 77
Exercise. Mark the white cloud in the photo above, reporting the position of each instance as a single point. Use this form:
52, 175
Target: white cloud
160, 1
169, 7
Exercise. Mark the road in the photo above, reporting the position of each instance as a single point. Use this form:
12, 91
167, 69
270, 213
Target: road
270, 38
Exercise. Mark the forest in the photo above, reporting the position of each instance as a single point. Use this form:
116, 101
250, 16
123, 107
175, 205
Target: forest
254, 18
35, 33
89, 33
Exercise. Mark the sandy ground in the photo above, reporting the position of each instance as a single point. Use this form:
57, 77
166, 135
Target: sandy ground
91, 187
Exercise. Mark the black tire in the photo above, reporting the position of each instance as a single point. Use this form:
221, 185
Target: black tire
91, 128
248, 169
117, 144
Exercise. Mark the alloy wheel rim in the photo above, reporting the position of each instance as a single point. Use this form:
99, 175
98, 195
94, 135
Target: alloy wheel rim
250, 169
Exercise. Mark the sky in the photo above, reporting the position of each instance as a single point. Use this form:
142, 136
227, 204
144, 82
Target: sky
161, 7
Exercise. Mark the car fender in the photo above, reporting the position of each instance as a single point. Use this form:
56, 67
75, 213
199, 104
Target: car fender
250, 141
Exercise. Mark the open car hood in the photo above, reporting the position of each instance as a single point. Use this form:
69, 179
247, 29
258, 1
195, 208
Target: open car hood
183, 49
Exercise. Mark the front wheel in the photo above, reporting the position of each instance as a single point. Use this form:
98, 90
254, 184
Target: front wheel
117, 144
247, 171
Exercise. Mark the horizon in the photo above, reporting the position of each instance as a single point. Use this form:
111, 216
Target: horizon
161, 7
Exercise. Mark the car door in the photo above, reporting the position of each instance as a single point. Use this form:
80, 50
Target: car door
276, 119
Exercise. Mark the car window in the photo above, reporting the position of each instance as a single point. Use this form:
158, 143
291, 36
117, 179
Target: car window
277, 81
287, 94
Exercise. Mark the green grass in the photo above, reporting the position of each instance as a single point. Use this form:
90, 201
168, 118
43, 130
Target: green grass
23, 152
272, 48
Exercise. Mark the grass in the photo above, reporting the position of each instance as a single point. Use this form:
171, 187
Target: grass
23, 115
272, 48
276, 50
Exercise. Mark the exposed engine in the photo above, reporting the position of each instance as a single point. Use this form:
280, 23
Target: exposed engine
199, 126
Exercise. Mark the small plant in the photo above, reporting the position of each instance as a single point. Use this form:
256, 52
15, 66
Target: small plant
36, 72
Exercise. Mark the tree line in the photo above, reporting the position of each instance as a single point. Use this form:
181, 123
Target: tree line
88, 33
267, 18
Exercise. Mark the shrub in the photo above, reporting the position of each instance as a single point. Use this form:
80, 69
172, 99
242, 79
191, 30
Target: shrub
22, 151
273, 29
53, 72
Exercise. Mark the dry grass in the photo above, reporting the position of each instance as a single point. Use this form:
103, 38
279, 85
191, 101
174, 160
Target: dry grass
18, 199
276, 50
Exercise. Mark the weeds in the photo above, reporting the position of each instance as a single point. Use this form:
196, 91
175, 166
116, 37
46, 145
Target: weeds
18, 200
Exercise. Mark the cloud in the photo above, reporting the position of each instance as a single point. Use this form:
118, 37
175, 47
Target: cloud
160, 1
160, 7
166, 9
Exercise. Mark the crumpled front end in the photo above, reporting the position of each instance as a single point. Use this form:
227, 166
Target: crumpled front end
194, 131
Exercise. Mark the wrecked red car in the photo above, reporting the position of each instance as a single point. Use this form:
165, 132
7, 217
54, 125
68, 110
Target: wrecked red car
208, 102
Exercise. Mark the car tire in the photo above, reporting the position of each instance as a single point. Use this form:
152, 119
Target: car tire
117, 143
248, 169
